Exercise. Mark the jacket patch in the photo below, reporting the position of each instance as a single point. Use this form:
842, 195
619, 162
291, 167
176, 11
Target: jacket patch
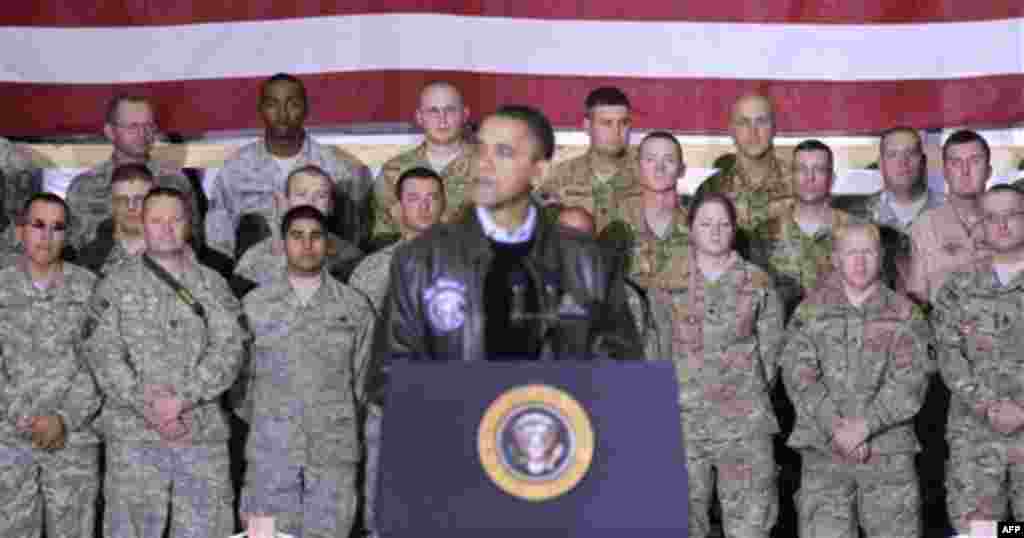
446, 304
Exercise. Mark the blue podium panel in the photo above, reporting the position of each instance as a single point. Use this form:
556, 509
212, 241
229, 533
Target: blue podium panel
432, 481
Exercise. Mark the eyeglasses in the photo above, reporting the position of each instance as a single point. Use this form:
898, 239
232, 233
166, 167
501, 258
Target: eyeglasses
436, 112
1002, 218
138, 127
129, 201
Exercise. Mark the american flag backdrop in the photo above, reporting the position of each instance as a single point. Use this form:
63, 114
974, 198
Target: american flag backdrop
833, 66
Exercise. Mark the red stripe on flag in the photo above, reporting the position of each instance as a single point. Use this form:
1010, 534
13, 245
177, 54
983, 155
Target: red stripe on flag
61, 13
683, 105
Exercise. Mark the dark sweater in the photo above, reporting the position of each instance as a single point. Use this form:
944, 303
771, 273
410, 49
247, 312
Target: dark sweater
507, 340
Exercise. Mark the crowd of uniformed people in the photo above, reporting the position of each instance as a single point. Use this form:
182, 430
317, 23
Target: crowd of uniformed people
187, 364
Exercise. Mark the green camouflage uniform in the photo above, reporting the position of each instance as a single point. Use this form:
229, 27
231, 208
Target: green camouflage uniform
458, 176
146, 335
725, 338
41, 373
89, 198
303, 449
870, 362
797, 262
574, 183
19, 179
979, 326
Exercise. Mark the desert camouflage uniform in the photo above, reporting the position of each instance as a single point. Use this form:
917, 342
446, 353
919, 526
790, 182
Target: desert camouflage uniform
266, 260
41, 373
574, 183
870, 362
458, 176
725, 338
797, 262
941, 242
249, 179
303, 450
146, 335
979, 325
19, 179
751, 199
89, 198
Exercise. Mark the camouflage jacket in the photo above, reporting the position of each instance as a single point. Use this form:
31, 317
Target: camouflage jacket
42, 371
266, 260
979, 332
573, 183
104, 254
458, 176
844, 361
19, 179
372, 275
249, 179
89, 197
10, 247
941, 242
653, 260
307, 366
653, 321
797, 262
751, 199
145, 334
725, 338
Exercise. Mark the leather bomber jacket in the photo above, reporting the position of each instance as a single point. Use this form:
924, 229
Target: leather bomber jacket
435, 306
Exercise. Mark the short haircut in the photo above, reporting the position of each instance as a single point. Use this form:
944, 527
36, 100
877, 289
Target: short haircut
536, 123
897, 130
312, 170
664, 135
966, 136
843, 231
440, 84
605, 96
814, 145
302, 212
285, 77
705, 198
131, 172
167, 192
1006, 187
417, 172
115, 104
48, 198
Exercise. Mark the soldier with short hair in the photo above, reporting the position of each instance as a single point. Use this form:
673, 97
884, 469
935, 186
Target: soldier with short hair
596, 180
446, 149
266, 260
979, 326
49, 452
120, 239
312, 342
856, 366
168, 343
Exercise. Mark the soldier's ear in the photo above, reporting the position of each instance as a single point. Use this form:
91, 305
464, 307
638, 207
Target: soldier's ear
108, 131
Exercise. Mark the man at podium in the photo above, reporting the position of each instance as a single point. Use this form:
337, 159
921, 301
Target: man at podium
506, 282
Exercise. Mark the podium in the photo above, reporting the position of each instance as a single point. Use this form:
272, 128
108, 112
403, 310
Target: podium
564, 449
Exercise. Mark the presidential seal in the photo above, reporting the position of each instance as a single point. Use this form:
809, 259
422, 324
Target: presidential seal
535, 442
446, 304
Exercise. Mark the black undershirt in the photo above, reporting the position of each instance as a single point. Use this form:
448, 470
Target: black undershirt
505, 340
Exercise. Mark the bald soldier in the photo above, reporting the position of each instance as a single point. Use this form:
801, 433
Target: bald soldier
242, 206
979, 325
856, 366
595, 180
757, 176
130, 126
950, 236
49, 452
446, 149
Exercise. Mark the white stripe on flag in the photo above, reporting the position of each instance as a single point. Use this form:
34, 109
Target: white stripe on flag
520, 46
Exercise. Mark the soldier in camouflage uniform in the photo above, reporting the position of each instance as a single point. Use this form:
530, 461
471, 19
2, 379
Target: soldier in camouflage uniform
597, 179
979, 323
446, 149
794, 242
856, 365
949, 236
266, 261
726, 326
250, 179
757, 176
49, 453
312, 341
120, 239
20, 179
167, 344
421, 202
131, 128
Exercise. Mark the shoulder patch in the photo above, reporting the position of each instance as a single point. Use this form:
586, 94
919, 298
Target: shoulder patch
760, 280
